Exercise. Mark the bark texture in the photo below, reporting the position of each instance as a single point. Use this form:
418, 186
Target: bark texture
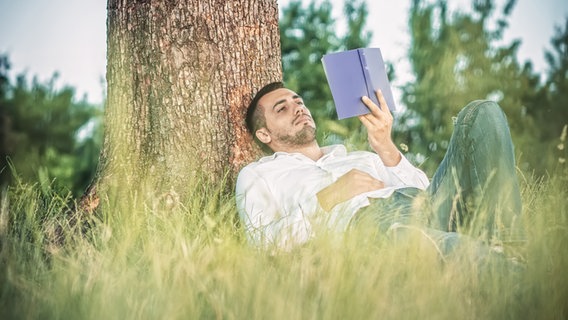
180, 74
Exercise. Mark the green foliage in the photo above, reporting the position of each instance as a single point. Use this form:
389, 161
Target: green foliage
556, 85
550, 111
457, 59
46, 134
306, 34
158, 256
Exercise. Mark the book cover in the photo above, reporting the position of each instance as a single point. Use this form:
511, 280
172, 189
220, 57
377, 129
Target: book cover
353, 74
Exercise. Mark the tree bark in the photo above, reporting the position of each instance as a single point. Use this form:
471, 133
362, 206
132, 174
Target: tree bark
180, 74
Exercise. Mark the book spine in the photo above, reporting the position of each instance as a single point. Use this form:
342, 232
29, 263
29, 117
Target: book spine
367, 75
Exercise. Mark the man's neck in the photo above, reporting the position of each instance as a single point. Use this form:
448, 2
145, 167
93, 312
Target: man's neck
311, 150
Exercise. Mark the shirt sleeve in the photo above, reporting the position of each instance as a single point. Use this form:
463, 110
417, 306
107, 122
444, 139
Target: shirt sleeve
405, 174
266, 222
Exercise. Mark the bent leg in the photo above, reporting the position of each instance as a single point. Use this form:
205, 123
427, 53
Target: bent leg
476, 186
399, 218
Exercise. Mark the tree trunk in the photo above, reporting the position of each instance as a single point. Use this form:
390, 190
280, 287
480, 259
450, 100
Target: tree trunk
180, 74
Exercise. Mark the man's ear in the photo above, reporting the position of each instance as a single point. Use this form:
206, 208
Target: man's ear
263, 135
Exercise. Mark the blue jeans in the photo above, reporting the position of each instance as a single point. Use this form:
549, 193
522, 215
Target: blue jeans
474, 190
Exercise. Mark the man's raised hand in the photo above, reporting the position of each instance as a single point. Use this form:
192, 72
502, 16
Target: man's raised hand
379, 127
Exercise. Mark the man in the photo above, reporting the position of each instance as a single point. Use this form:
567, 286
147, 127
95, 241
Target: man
283, 198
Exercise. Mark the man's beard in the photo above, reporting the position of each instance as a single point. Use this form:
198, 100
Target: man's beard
302, 137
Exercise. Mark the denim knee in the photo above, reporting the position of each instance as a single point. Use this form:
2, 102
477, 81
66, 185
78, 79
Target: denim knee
487, 108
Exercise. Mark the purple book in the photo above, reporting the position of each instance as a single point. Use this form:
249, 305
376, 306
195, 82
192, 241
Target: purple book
353, 74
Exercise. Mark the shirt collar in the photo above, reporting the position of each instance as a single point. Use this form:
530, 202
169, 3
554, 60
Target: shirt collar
336, 150
328, 151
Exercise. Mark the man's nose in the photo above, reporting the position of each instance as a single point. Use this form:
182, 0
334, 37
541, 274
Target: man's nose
298, 108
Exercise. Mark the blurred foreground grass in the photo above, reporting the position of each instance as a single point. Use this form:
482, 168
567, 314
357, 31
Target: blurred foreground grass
160, 257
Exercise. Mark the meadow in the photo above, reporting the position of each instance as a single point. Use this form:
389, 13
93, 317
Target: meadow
147, 256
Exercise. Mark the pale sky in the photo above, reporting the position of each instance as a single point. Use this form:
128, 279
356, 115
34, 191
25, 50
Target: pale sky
69, 36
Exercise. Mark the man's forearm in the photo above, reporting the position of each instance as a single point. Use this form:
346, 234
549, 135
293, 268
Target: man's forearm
329, 198
390, 155
349, 185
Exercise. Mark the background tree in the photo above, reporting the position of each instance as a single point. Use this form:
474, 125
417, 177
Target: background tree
180, 74
556, 113
4, 120
551, 111
43, 133
456, 60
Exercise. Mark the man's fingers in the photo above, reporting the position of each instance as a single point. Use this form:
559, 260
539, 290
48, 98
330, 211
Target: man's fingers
375, 110
383, 103
372, 122
365, 120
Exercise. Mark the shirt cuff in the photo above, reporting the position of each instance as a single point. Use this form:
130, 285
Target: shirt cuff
405, 171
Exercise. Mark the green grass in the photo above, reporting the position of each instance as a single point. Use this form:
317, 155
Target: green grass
160, 257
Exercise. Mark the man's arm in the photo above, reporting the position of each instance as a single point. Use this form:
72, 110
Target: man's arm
349, 185
379, 128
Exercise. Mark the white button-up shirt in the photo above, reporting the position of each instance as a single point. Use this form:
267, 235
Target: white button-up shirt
276, 196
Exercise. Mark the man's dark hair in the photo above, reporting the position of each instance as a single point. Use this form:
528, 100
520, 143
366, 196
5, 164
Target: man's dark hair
255, 118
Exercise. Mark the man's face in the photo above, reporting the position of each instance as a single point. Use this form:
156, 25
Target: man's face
288, 121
